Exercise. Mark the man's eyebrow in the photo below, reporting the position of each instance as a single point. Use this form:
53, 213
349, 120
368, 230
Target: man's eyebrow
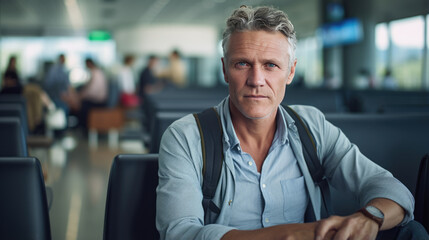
239, 59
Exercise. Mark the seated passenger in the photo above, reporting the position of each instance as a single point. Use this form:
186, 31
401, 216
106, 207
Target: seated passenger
265, 187
93, 94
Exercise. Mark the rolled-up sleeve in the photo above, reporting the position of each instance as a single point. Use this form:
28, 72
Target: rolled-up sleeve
179, 210
348, 170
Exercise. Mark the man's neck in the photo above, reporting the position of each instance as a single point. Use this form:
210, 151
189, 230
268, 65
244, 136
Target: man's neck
255, 135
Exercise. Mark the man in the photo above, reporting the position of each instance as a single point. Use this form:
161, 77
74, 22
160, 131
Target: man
175, 73
148, 82
94, 93
57, 83
265, 186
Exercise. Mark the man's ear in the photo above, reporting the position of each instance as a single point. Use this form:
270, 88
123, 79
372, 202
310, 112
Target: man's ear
223, 70
292, 73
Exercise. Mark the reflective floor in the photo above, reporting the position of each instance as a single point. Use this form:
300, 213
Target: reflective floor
76, 177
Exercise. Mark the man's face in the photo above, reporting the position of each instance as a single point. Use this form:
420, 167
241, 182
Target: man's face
257, 70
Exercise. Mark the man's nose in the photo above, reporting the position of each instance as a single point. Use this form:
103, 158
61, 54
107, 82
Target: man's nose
256, 77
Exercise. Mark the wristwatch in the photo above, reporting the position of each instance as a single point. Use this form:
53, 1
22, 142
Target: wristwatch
373, 213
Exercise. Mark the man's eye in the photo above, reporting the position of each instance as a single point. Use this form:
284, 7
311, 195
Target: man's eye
271, 65
241, 64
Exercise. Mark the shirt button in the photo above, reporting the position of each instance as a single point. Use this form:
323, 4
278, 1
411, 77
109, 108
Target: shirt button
267, 220
250, 163
263, 185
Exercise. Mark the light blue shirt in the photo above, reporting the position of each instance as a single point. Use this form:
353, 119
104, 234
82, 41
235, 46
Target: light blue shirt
180, 214
274, 196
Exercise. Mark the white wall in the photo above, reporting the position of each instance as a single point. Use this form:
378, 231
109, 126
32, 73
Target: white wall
196, 41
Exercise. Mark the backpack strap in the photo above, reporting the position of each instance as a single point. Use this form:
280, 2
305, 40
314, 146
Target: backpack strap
310, 155
210, 128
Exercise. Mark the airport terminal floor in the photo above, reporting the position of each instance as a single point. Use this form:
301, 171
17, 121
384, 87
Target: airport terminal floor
78, 176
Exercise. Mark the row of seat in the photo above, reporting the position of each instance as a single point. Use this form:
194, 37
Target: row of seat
23, 205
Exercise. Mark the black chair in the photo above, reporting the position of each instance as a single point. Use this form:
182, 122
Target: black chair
421, 211
12, 138
326, 100
404, 108
14, 98
23, 205
162, 121
15, 110
370, 101
131, 198
396, 142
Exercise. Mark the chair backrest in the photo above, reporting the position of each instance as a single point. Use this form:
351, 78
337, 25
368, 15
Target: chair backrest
131, 198
12, 138
370, 101
23, 205
14, 98
327, 101
162, 121
15, 110
404, 108
421, 211
396, 142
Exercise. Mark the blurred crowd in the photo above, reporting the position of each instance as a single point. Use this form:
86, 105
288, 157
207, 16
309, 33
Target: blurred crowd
53, 99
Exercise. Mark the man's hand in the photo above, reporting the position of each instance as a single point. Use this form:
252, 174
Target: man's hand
355, 226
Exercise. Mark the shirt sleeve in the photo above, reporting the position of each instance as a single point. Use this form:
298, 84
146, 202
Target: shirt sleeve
180, 213
348, 170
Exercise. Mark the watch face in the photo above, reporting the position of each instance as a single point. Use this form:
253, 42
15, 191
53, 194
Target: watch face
375, 211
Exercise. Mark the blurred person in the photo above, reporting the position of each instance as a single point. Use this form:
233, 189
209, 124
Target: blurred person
175, 73
39, 107
95, 90
92, 95
388, 81
265, 189
363, 79
57, 83
11, 83
11, 65
36, 100
128, 97
148, 82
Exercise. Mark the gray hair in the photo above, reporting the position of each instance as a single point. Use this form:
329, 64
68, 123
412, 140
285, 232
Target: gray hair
261, 18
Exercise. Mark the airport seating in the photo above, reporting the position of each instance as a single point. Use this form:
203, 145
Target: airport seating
15, 110
173, 102
191, 100
370, 101
163, 120
23, 203
326, 100
404, 108
394, 141
421, 211
131, 198
12, 138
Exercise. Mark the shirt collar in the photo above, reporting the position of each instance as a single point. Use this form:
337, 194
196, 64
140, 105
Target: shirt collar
280, 137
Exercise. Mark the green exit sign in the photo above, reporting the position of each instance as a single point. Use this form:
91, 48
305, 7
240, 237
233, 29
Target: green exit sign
99, 35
